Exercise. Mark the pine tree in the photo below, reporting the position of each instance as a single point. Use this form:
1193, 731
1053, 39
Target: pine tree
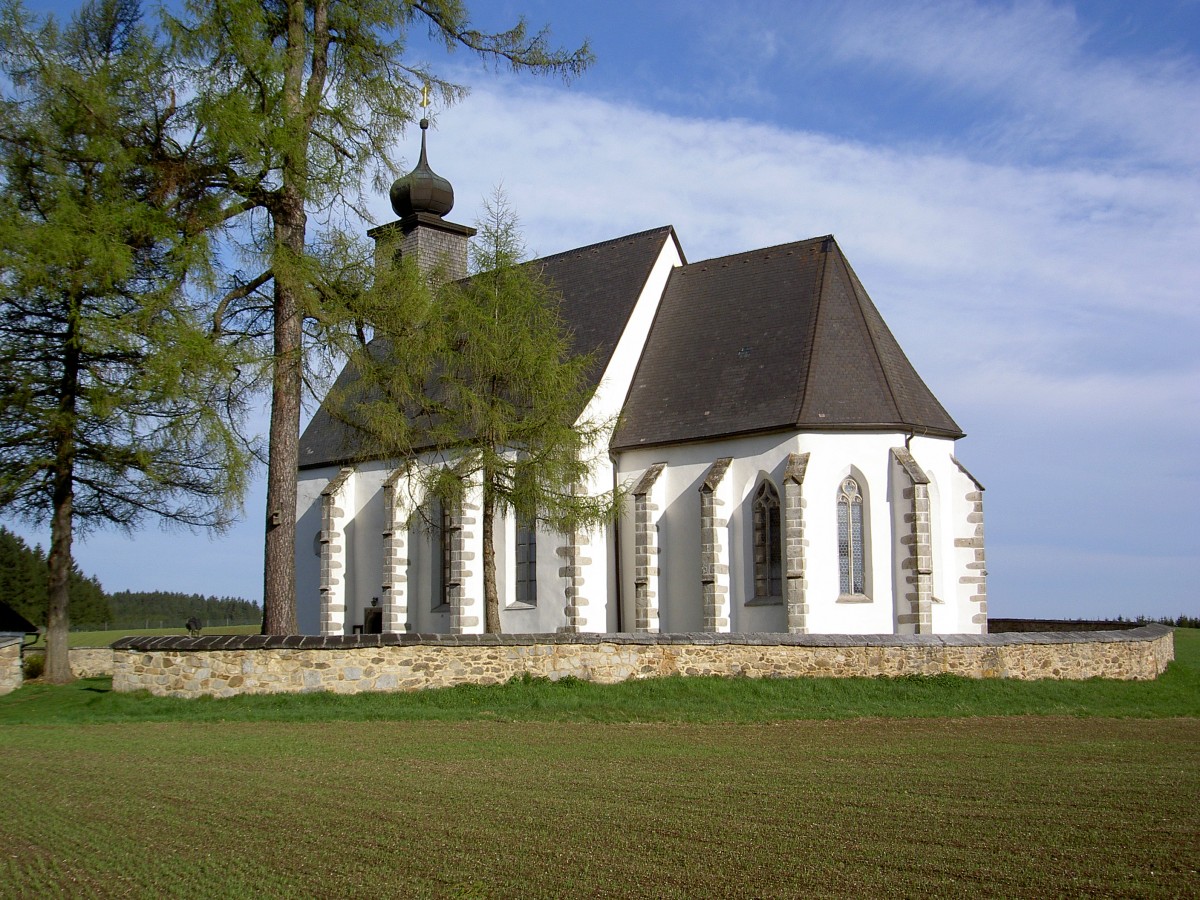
112, 390
302, 100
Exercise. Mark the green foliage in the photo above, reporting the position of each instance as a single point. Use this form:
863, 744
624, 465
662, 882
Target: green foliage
23, 576
135, 606
23, 584
511, 389
112, 380
481, 379
115, 401
33, 665
299, 104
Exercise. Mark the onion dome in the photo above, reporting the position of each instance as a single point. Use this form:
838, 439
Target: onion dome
422, 190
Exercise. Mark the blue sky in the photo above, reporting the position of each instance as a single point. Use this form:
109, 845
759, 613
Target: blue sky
1017, 185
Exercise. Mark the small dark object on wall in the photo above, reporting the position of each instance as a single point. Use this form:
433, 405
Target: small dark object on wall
193, 626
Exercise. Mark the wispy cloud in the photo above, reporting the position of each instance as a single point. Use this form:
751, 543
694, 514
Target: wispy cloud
1032, 63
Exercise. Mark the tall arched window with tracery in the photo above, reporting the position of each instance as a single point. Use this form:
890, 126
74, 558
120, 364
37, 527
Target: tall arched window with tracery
768, 544
850, 536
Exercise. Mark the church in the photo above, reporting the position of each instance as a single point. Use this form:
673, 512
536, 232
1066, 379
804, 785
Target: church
786, 469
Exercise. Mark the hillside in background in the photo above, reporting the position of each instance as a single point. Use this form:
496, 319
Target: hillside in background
23, 587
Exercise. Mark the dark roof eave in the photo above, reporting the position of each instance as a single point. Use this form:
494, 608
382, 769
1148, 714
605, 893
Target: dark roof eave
811, 427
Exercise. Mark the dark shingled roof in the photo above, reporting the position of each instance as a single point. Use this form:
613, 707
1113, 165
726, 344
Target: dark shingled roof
599, 285
12, 622
773, 339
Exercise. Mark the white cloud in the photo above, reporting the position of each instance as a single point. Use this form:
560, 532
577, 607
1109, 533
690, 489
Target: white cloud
959, 242
1031, 62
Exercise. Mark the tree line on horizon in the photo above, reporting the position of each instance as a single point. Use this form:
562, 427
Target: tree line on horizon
173, 247
23, 575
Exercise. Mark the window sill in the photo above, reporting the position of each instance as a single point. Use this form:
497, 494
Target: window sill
520, 606
765, 601
854, 598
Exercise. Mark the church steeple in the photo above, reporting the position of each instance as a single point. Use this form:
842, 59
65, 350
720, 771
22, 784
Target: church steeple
422, 189
421, 198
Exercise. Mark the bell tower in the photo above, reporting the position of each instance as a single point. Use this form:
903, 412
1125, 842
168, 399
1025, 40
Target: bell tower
421, 199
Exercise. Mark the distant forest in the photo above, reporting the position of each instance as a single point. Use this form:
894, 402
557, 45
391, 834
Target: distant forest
23, 587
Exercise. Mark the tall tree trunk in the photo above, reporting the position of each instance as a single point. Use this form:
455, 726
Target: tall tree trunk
279, 571
491, 598
58, 624
290, 222
58, 564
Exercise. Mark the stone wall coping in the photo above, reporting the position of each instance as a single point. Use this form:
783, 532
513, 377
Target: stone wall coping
11, 637
356, 641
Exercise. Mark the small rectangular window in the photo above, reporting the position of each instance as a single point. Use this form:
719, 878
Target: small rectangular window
526, 561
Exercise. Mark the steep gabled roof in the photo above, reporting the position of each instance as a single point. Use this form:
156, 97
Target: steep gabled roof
781, 338
599, 286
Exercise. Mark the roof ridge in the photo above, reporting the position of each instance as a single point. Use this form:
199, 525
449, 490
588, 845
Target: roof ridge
665, 229
760, 250
857, 291
813, 332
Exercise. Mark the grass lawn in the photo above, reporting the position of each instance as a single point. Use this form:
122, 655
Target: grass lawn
679, 788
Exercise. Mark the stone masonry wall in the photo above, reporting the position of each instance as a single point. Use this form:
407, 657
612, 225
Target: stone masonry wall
10, 664
259, 664
795, 544
87, 662
714, 547
90, 662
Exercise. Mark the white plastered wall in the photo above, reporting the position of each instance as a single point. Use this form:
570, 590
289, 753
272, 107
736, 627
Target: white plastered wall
599, 578
308, 552
832, 457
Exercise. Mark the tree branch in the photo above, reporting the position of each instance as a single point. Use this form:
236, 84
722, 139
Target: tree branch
237, 294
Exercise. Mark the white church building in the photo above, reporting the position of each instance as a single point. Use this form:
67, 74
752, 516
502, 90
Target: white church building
787, 469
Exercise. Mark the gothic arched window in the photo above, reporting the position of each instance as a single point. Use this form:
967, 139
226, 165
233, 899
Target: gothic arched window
850, 536
768, 544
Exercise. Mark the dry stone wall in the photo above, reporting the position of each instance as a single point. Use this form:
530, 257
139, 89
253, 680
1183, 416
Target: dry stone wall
259, 664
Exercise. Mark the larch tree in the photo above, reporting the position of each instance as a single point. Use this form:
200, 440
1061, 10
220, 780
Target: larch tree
115, 400
496, 393
303, 101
